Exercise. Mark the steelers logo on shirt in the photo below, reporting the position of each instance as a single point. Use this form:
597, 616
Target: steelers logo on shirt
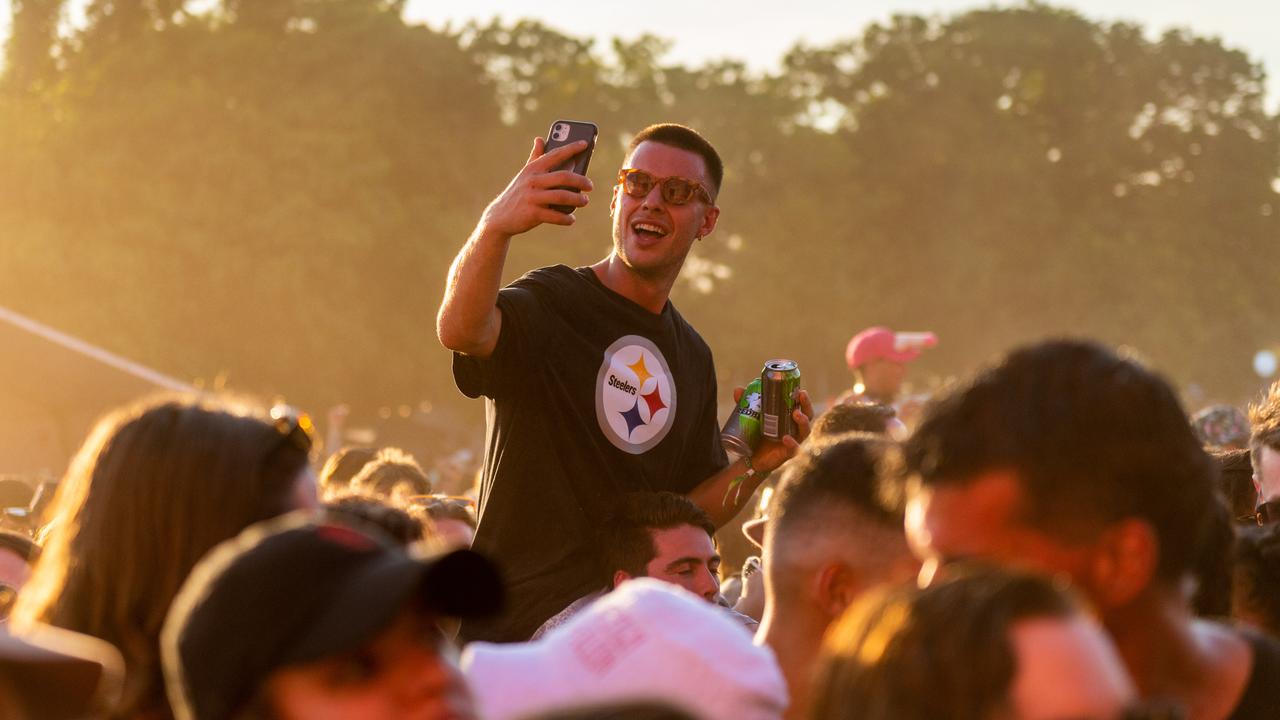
635, 395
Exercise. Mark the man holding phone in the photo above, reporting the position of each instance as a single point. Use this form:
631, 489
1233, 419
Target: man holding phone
595, 385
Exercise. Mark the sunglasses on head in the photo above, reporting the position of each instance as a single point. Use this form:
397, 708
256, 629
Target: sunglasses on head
1268, 513
675, 190
294, 427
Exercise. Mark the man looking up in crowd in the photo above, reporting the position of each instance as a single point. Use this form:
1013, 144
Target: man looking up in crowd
1264, 448
1071, 460
596, 385
664, 536
834, 530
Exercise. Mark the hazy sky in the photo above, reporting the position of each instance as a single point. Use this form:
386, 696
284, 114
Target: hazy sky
759, 32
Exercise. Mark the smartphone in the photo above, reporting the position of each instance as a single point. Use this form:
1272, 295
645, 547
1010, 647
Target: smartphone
565, 132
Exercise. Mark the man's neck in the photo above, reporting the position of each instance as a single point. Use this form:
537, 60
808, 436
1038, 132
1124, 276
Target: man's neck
649, 293
795, 637
1172, 655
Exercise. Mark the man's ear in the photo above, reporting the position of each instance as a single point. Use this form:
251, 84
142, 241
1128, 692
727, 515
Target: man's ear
620, 577
1125, 563
836, 587
709, 221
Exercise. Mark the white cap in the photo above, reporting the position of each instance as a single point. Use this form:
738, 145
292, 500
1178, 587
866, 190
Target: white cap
645, 641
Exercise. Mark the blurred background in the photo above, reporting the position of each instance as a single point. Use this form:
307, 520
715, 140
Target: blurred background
264, 195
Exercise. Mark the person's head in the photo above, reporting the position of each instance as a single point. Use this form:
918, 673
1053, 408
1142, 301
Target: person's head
645, 641
155, 486
665, 199
1235, 481
1221, 427
834, 530
1256, 575
402, 527
452, 516
306, 617
981, 645
878, 358
335, 476
1065, 458
663, 536
854, 417
392, 473
17, 554
1264, 444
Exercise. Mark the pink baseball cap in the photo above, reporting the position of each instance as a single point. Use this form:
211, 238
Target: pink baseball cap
878, 342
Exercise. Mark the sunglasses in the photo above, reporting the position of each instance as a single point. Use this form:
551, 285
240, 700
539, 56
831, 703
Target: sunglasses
295, 427
443, 501
675, 190
1268, 513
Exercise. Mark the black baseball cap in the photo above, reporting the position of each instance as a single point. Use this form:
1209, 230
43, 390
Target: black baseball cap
295, 590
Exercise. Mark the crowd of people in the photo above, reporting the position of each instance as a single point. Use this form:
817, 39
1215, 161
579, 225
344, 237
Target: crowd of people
1052, 538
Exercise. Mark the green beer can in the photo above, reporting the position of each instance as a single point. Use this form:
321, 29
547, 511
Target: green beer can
779, 390
741, 433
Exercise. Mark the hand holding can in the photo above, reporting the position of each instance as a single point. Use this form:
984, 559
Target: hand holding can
779, 391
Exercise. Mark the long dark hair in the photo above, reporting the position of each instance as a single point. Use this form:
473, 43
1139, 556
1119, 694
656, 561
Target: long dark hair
154, 487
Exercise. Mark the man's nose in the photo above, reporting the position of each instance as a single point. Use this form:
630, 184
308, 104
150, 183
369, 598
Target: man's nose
709, 585
654, 198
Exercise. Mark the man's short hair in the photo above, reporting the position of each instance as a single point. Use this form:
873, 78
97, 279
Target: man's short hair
1265, 419
392, 471
627, 534
853, 417
1093, 438
845, 471
342, 466
396, 523
685, 138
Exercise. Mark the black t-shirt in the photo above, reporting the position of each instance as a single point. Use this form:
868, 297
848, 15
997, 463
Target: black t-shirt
589, 396
1261, 699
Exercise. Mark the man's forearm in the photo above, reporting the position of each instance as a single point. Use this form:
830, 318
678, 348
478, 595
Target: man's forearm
720, 498
469, 320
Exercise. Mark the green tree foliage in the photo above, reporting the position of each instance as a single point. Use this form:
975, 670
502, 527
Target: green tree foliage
274, 190
1024, 172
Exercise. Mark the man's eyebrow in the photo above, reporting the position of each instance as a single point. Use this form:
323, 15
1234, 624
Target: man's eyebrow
691, 560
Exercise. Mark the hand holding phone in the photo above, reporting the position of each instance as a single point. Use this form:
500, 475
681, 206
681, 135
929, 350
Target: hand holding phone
541, 191
565, 132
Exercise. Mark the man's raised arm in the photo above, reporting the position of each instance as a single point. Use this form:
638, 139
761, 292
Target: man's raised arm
468, 321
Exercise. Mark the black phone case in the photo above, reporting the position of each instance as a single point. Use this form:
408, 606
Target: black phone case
566, 132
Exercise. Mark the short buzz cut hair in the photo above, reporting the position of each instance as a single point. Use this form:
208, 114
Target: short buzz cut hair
846, 471
853, 417
685, 138
1092, 438
1264, 417
627, 535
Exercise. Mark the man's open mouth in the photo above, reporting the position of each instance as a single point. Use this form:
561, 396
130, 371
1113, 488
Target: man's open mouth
648, 230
